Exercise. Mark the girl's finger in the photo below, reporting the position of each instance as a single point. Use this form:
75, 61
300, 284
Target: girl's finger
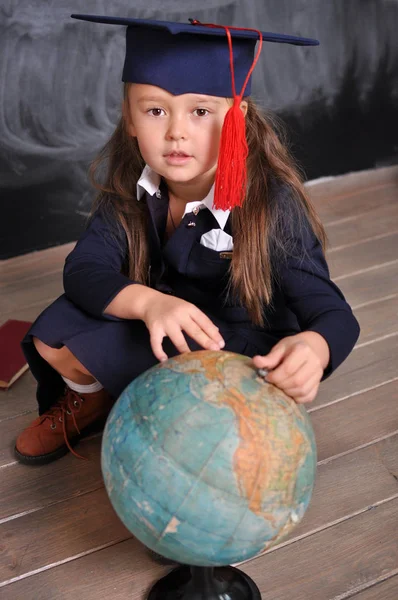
156, 335
197, 334
207, 327
272, 359
177, 338
288, 368
301, 376
305, 392
306, 399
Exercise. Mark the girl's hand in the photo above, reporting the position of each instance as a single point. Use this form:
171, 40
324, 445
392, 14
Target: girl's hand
297, 364
169, 316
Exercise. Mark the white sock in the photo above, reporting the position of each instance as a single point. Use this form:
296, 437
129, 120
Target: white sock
83, 389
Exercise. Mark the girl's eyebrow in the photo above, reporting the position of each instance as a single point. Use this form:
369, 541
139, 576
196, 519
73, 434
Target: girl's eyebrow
206, 99
150, 99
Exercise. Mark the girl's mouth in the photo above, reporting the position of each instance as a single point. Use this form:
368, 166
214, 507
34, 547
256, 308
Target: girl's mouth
177, 158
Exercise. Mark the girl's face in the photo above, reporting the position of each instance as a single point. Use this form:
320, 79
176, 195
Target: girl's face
178, 136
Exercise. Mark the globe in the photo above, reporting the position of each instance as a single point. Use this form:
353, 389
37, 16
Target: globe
205, 462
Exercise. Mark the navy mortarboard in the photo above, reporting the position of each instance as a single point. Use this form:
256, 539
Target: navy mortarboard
184, 57
202, 58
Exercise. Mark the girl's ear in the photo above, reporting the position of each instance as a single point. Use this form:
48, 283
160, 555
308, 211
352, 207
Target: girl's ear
243, 107
127, 119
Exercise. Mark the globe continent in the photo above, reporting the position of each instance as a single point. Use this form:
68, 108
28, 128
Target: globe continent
205, 462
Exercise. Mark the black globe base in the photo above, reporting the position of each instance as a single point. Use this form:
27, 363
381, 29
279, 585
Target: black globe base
205, 583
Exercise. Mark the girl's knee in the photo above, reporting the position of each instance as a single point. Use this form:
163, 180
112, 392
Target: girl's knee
47, 352
59, 358
54, 356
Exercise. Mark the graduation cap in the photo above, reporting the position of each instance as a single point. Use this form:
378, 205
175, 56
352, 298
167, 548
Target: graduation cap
202, 58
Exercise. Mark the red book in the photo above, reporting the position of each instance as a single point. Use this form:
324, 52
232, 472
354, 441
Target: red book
12, 360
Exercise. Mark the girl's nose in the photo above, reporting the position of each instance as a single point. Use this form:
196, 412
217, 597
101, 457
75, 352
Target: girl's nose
176, 130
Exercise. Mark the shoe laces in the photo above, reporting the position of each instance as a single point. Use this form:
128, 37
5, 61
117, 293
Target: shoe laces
69, 404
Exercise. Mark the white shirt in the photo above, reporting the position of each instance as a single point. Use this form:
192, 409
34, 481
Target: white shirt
150, 182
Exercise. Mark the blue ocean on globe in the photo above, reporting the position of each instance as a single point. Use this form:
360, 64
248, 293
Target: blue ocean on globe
206, 463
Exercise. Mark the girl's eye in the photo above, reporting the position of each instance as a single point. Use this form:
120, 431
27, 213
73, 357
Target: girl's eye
155, 112
201, 112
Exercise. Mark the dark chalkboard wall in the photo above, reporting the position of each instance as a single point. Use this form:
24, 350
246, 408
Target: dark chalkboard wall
60, 91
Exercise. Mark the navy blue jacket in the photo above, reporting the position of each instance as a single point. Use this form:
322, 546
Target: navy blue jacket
304, 297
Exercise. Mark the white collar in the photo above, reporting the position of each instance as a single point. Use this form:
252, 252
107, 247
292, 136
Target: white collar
150, 182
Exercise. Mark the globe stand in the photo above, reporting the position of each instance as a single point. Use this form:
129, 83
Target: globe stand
205, 583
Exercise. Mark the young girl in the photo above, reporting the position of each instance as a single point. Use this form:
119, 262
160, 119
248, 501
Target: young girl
180, 256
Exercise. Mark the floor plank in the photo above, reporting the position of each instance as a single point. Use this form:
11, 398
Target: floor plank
27, 489
8, 432
370, 284
358, 420
23, 265
28, 276
377, 319
281, 574
121, 571
29, 313
386, 590
351, 484
358, 228
337, 208
29, 266
345, 186
45, 288
367, 367
331, 555
19, 398
364, 255
71, 527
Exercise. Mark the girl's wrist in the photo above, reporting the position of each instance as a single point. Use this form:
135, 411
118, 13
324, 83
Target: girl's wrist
318, 344
141, 300
131, 302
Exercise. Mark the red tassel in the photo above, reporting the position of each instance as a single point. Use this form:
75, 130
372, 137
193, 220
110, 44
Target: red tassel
231, 174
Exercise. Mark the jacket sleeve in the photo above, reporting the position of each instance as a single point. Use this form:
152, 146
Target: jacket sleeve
317, 302
92, 272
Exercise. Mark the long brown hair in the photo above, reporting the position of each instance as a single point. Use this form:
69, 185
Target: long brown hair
259, 226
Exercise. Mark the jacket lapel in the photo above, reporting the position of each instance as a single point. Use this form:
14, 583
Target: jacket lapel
179, 246
157, 213
176, 251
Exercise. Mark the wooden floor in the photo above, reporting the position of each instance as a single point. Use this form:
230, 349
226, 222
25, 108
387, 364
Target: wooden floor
59, 536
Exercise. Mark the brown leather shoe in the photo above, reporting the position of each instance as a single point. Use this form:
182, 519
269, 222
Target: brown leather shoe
52, 434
